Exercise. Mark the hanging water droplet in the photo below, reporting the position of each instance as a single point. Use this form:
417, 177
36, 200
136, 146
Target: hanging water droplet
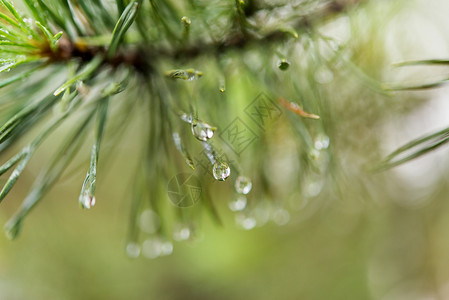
86, 200
149, 221
321, 142
202, 131
166, 248
281, 216
186, 21
222, 88
284, 64
243, 185
133, 250
247, 222
221, 170
186, 118
182, 233
313, 188
314, 154
28, 21
189, 74
151, 248
238, 204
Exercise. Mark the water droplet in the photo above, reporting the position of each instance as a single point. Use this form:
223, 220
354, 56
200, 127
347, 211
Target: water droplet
186, 21
202, 131
314, 154
166, 248
28, 21
313, 188
281, 216
321, 142
222, 89
7, 66
133, 250
187, 118
221, 170
243, 185
87, 195
238, 204
284, 64
182, 233
188, 75
86, 200
151, 248
246, 222
149, 221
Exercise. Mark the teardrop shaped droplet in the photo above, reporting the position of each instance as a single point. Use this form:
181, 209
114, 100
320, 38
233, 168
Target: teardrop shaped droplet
186, 21
221, 170
202, 131
151, 248
284, 64
182, 232
314, 154
166, 248
189, 74
243, 185
149, 221
133, 250
247, 222
238, 204
86, 200
321, 142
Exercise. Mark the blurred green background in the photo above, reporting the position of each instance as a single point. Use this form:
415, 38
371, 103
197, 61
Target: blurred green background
377, 236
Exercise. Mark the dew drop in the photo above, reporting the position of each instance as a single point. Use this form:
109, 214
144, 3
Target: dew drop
182, 233
186, 21
284, 64
187, 118
246, 222
238, 204
188, 75
202, 131
321, 142
152, 248
243, 185
149, 221
86, 200
314, 154
221, 170
313, 188
133, 250
166, 248
28, 21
